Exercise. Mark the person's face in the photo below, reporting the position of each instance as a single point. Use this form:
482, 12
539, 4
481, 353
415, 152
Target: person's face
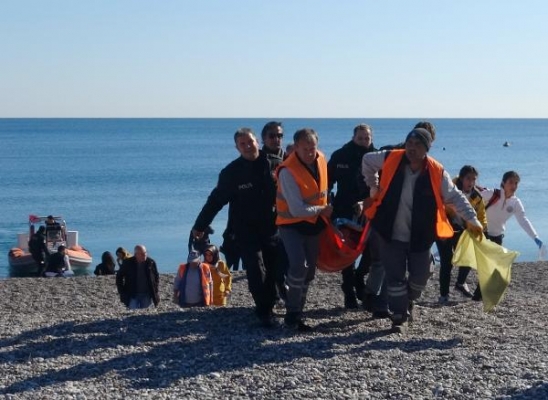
415, 150
307, 150
363, 138
510, 186
273, 139
120, 255
140, 254
208, 257
468, 182
248, 147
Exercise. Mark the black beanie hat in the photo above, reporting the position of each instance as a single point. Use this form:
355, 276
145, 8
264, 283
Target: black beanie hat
423, 135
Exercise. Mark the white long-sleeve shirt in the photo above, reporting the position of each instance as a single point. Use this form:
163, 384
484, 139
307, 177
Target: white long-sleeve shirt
373, 162
501, 211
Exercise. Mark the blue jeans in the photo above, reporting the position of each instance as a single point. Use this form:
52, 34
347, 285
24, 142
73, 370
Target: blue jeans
140, 301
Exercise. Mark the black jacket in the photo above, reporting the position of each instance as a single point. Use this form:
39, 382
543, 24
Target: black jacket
344, 169
250, 189
275, 158
126, 280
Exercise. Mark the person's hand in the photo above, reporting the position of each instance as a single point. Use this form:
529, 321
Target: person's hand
373, 191
475, 230
197, 234
327, 211
538, 242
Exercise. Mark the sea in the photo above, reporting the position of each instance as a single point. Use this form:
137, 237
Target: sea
122, 182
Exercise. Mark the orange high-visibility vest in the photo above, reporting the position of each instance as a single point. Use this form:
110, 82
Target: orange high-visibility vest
205, 278
435, 169
313, 193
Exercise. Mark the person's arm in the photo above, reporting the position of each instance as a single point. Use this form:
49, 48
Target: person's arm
292, 194
371, 164
523, 221
120, 278
227, 276
218, 198
66, 260
176, 284
156, 283
210, 284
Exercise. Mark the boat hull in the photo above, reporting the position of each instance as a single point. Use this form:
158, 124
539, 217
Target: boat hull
23, 262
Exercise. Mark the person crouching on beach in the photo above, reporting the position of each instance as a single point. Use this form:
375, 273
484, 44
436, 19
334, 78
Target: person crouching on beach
58, 263
107, 265
138, 280
193, 286
408, 214
220, 274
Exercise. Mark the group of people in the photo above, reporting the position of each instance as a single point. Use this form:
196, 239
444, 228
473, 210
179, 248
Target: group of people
280, 202
50, 263
198, 282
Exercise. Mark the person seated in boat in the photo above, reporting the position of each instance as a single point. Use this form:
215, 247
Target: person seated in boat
58, 263
122, 255
38, 249
193, 285
54, 232
107, 265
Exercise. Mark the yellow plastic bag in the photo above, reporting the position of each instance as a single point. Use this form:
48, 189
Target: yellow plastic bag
492, 262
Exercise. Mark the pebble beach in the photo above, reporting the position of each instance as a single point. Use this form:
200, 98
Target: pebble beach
71, 338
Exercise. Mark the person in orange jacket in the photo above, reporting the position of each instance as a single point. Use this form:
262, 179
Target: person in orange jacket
193, 286
408, 215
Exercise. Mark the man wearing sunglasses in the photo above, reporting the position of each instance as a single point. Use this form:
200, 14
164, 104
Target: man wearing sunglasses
272, 136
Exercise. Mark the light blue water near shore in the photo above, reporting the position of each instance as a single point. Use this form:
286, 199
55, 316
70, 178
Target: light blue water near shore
125, 181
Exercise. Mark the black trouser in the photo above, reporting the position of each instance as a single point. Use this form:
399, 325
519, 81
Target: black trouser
281, 271
231, 251
354, 279
445, 250
40, 261
261, 256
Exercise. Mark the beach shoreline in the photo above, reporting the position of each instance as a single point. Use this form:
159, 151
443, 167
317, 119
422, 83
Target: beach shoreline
72, 338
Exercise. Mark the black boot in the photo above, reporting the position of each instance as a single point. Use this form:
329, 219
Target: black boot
477, 294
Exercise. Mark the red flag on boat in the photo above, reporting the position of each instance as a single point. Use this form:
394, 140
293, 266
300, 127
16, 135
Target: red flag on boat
34, 218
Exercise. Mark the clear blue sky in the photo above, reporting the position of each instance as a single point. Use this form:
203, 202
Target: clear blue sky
231, 58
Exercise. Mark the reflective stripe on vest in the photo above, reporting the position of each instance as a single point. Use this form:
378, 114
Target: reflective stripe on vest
435, 169
312, 192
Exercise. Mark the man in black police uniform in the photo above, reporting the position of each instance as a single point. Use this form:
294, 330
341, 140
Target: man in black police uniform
344, 169
247, 185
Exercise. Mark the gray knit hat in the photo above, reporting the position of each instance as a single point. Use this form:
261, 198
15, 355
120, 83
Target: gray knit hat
423, 135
